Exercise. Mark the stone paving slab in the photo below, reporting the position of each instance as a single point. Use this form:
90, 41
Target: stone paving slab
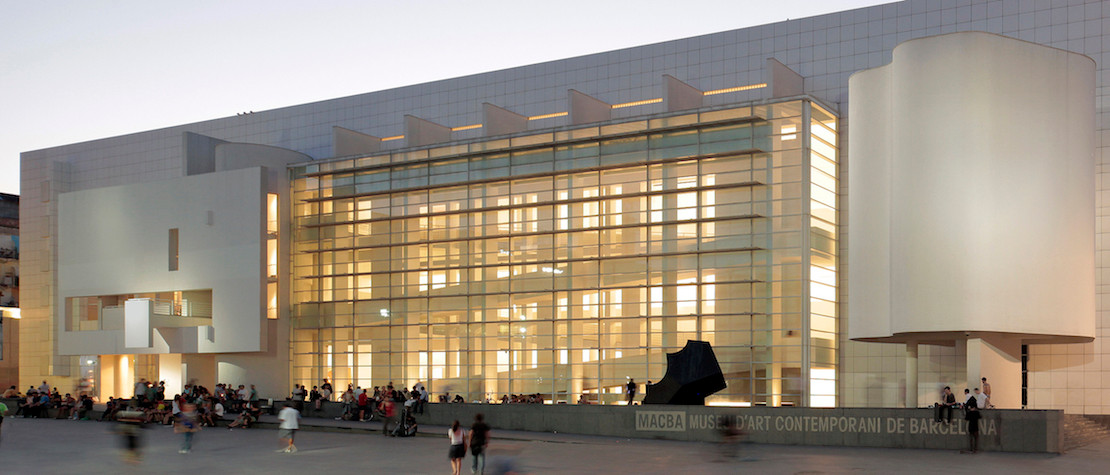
37, 446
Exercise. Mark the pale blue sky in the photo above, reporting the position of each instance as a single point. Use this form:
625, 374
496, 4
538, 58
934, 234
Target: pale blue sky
72, 71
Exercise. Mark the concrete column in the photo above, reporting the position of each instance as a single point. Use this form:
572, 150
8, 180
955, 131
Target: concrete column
106, 380
775, 378
125, 376
999, 360
911, 374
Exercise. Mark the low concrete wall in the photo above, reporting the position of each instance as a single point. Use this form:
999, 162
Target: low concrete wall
1000, 430
13, 405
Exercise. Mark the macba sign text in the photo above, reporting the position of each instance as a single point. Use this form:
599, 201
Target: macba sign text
670, 421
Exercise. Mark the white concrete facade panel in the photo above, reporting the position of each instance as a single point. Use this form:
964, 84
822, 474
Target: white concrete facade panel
870, 258
114, 241
136, 323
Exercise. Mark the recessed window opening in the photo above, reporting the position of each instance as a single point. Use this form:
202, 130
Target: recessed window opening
173, 252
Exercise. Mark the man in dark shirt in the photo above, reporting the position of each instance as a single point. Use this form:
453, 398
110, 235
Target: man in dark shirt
948, 400
479, 439
314, 397
41, 405
65, 407
972, 416
85, 407
109, 410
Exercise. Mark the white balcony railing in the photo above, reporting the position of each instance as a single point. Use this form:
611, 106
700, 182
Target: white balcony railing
182, 308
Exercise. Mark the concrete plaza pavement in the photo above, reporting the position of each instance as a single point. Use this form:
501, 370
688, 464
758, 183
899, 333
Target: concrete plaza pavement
37, 446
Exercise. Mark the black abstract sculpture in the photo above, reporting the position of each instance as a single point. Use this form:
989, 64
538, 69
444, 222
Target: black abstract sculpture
692, 375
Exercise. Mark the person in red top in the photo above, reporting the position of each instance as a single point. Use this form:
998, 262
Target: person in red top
387, 414
363, 406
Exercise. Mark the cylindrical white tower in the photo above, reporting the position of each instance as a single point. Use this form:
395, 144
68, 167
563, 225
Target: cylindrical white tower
972, 202
972, 192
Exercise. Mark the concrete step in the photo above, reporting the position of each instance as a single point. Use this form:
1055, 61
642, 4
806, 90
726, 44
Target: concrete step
1080, 431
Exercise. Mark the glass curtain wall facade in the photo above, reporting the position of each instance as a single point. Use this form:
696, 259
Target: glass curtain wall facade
564, 262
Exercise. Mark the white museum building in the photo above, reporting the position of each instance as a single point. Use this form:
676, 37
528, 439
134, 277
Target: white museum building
855, 209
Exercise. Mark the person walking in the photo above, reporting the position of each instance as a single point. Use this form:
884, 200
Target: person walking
631, 390
130, 422
387, 409
187, 424
479, 440
458, 447
289, 419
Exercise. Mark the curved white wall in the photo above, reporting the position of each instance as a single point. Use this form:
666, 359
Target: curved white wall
972, 191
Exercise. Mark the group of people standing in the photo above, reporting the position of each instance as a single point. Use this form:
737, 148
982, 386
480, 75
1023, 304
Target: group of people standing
476, 439
395, 408
972, 405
